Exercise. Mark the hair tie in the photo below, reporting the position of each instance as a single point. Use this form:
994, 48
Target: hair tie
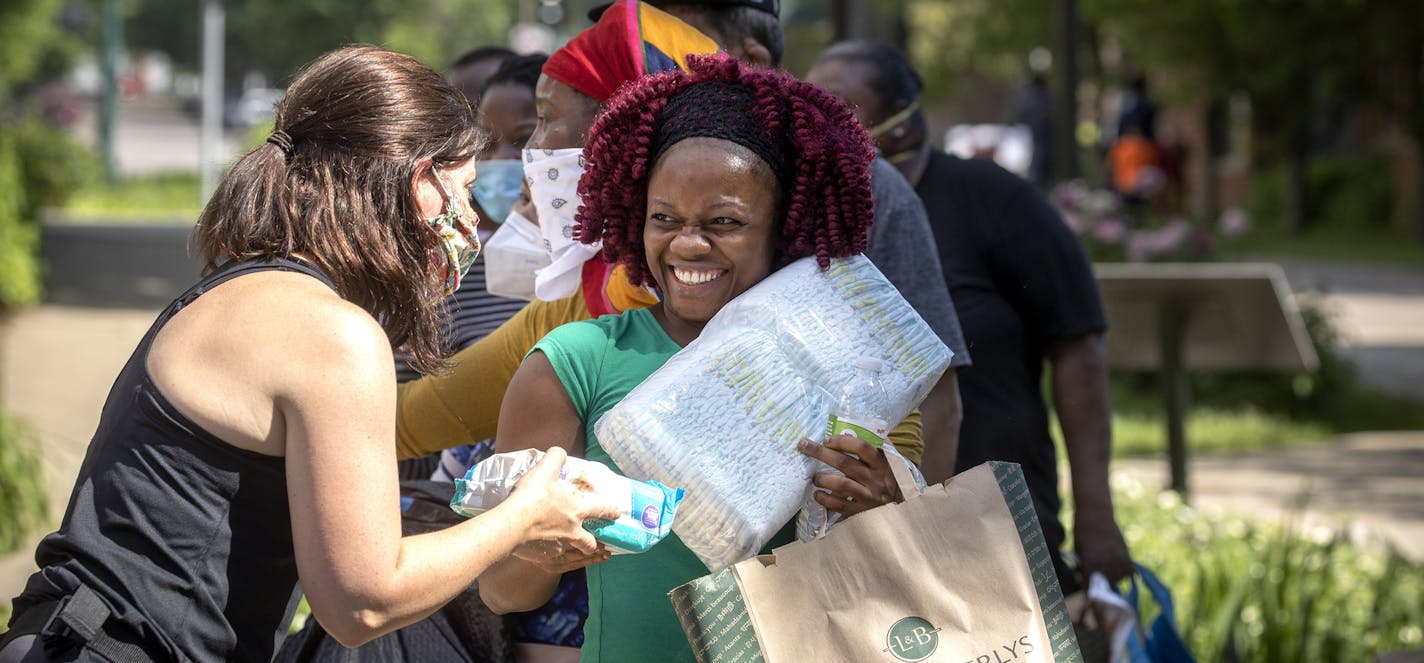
282, 141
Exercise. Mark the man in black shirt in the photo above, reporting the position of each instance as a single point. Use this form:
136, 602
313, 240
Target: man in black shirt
1024, 292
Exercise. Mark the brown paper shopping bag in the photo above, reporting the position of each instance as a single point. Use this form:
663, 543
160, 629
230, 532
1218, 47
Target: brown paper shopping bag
958, 574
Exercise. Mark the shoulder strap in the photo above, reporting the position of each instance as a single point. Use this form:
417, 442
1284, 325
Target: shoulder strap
80, 618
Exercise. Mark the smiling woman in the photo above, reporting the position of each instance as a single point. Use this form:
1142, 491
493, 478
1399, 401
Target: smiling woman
710, 232
703, 184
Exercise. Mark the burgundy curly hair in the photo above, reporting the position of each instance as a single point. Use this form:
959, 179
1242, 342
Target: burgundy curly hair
827, 212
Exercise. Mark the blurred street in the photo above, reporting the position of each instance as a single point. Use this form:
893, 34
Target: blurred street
155, 135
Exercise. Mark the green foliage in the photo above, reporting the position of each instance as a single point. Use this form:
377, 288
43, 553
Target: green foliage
1261, 592
31, 42
1344, 192
53, 166
300, 617
23, 499
953, 43
19, 239
159, 197
278, 36
1211, 429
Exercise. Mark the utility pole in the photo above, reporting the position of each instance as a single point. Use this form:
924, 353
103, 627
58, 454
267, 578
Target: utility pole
109, 95
210, 138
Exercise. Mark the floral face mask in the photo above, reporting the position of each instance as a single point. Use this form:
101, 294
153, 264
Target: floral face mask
456, 243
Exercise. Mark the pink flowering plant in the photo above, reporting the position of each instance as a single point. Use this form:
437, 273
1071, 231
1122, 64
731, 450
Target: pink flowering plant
1113, 231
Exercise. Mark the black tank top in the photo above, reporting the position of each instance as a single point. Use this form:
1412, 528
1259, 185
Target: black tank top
186, 537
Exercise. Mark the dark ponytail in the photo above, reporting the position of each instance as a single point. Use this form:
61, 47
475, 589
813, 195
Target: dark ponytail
333, 185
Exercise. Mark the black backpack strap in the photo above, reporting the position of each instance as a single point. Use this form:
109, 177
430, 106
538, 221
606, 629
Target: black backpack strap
79, 618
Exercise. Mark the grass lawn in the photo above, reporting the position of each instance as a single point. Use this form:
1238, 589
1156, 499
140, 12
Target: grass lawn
162, 198
1326, 243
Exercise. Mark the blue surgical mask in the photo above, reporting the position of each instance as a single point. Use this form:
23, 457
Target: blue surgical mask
496, 186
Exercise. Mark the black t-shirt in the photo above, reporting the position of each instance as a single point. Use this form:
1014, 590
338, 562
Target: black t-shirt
1021, 284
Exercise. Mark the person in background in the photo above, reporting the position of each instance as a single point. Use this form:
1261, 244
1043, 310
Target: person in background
1034, 110
1025, 295
901, 246
246, 445
470, 72
690, 183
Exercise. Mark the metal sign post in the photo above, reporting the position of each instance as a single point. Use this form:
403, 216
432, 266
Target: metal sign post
1176, 317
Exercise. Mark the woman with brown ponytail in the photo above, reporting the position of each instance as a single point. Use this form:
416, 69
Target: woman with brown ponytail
248, 444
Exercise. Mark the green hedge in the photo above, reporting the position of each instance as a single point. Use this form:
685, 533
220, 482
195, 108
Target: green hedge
1259, 592
40, 166
23, 499
19, 237
1341, 191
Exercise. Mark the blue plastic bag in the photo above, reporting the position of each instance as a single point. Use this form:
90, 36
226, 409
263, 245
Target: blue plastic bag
1159, 641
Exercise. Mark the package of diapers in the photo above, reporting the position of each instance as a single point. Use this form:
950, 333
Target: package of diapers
647, 507
722, 417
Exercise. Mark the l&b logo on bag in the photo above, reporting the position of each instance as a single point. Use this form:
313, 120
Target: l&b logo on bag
911, 639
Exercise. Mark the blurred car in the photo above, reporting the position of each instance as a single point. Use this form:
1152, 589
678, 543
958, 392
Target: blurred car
254, 106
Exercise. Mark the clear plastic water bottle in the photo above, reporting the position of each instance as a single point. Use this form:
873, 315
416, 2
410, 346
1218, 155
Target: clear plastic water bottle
860, 411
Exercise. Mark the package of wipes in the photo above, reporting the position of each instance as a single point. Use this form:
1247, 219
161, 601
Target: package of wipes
722, 417
647, 507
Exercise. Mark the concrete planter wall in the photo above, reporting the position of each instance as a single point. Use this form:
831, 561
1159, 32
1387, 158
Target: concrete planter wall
127, 265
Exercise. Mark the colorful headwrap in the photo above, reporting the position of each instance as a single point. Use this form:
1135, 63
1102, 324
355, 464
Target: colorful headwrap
631, 40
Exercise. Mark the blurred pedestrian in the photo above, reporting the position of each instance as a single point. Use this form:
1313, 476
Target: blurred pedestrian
470, 72
1034, 110
1025, 294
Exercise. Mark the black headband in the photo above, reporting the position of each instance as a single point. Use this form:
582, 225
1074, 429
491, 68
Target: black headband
719, 109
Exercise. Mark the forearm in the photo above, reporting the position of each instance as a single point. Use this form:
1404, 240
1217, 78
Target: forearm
428, 571
514, 585
1080, 398
942, 413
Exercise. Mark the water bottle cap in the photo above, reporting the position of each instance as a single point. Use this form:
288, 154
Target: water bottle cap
869, 364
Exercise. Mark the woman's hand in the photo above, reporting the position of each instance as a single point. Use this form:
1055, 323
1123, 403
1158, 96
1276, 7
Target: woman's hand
868, 481
554, 537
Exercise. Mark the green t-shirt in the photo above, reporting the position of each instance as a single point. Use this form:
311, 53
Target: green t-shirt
630, 617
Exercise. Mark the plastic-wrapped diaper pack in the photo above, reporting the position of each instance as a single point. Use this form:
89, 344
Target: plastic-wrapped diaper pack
722, 417
647, 507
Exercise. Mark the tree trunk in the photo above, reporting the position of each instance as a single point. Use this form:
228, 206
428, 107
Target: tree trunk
1416, 125
1065, 103
1212, 147
1295, 189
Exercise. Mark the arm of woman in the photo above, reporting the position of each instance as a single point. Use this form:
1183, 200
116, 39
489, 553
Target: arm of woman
537, 414
441, 411
335, 403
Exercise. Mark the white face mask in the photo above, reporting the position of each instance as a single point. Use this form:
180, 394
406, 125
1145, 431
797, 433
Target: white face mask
552, 176
512, 256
